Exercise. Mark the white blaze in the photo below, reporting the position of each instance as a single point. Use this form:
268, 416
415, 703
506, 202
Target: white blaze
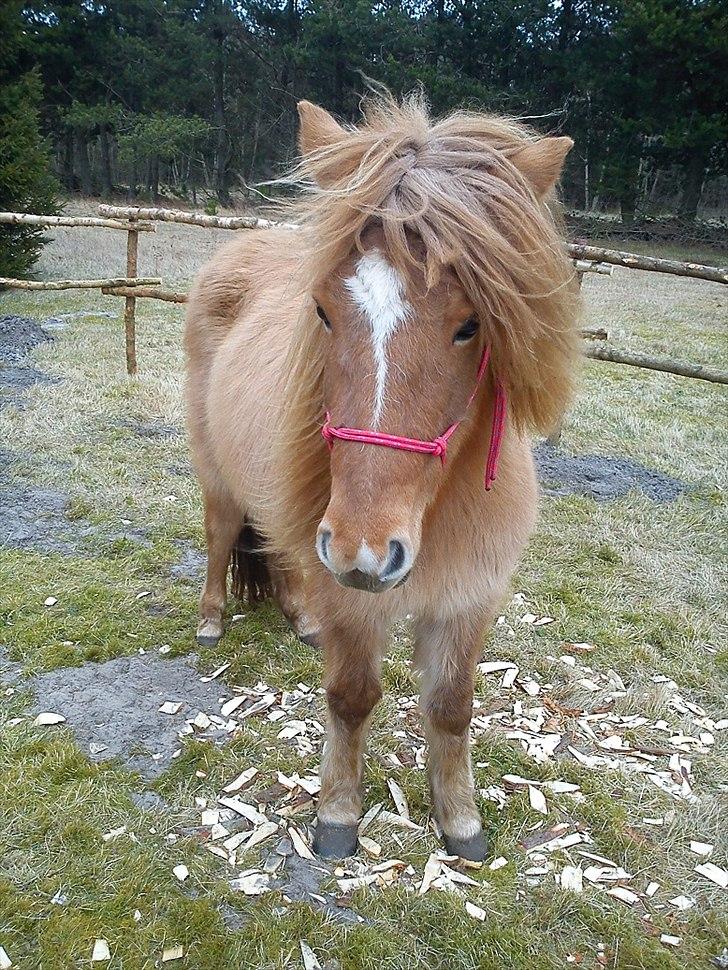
378, 291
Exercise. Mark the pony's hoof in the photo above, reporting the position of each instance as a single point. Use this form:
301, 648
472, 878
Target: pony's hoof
332, 841
474, 848
208, 633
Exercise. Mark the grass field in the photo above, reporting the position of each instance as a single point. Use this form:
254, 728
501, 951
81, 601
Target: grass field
644, 583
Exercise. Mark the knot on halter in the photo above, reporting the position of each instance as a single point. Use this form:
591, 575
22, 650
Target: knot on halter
439, 448
438, 445
326, 432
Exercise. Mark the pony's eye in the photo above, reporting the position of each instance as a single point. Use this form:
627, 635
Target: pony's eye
322, 316
468, 330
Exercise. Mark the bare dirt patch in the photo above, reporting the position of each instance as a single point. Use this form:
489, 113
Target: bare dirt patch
601, 477
18, 336
113, 708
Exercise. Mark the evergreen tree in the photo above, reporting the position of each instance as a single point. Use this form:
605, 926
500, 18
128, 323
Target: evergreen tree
26, 182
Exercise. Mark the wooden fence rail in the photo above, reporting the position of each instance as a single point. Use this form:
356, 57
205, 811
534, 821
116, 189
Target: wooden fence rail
84, 222
651, 264
145, 292
127, 281
682, 368
192, 218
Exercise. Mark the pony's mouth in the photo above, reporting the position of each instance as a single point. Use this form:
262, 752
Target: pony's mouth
356, 579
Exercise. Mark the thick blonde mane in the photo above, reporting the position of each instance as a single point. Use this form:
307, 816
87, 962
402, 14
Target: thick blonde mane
452, 184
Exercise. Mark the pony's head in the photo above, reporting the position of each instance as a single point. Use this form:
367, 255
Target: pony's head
423, 242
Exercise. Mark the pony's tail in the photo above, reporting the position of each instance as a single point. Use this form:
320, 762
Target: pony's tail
251, 578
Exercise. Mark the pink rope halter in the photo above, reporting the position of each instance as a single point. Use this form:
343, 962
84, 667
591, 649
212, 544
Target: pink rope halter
438, 445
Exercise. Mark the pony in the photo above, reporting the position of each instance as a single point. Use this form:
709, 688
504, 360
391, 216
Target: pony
421, 311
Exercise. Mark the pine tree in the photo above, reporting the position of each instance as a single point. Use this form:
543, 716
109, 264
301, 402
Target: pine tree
26, 181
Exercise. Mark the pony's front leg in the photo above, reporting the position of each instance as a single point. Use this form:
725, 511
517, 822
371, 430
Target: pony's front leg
446, 653
352, 657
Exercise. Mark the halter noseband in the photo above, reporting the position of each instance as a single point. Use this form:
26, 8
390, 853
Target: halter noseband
438, 446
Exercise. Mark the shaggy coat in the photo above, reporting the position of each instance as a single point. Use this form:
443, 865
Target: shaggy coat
456, 212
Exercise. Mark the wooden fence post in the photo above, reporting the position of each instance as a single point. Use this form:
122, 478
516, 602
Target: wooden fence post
132, 248
554, 438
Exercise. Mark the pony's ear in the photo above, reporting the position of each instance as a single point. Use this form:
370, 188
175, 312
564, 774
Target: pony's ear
541, 162
318, 129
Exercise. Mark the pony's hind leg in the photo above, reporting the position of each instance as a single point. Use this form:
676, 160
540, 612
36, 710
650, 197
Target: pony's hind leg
294, 600
223, 522
352, 669
446, 653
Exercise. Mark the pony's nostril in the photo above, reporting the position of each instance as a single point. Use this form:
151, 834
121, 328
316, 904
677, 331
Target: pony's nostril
324, 541
396, 560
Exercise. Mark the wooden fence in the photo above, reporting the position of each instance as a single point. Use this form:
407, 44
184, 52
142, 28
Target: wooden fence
134, 219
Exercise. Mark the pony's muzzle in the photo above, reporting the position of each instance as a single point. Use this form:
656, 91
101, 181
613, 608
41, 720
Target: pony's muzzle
365, 570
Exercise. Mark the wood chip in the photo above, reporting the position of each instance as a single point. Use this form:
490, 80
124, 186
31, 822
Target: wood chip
578, 647
537, 800
181, 872
399, 821
299, 843
670, 940
701, 848
475, 911
261, 833
572, 879
509, 677
498, 863
623, 895
371, 847
495, 666
114, 833
682, 902
310, 785
369, 817
243, 779
357, 882
100, 952
310, 961
432, 871
215, 674
714, 873
229, 707
452, 875
170, 707
537, 839
5, 961
398, 797
47, 718
252, 883
242, 808
652, 889
172, 953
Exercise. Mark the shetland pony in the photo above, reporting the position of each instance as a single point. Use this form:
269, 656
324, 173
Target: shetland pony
423, 251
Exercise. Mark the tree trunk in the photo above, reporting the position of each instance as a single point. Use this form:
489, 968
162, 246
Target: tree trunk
566, 24
221, 146
68, 177
692, 188
154, 178
132, 190
107, 183
84, 164
629, 190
